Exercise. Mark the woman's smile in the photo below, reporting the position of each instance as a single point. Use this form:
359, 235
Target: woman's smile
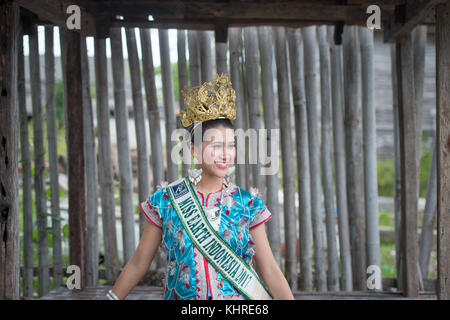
221, 164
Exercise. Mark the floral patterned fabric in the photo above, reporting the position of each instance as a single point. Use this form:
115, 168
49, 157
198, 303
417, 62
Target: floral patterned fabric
189, 274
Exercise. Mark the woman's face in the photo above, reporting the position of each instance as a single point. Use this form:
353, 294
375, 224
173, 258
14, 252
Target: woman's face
218, 151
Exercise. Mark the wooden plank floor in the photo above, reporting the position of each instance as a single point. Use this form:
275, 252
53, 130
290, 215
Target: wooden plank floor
155, 293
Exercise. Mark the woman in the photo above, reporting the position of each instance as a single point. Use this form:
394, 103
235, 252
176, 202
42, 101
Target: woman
199, 265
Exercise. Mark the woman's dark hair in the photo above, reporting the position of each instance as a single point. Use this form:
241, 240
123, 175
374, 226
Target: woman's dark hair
210, 124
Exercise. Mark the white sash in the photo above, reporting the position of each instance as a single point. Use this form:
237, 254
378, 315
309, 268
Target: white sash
223, 258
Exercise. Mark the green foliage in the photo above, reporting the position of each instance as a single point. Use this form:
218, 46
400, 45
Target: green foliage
386, 174
59, 103
387, 252
386, 177
386, 219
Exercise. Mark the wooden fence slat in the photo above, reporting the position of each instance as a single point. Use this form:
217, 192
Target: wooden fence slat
303, 171
429, 217
409, 249
287, 150
265, 42
419, 43
27, 202
110, 252
370, 148
9, 119
154, 123
139, 120
39, 163
310, 53
91, 171
121, 115
327, 175
169, 101
235, 36
397, 176
339, 163
206, 58
194, 58
53, 154
221, 57
443, 142
152, 108
353, 141
183, 81
254, 104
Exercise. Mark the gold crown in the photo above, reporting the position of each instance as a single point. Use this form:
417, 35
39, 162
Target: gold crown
212, 100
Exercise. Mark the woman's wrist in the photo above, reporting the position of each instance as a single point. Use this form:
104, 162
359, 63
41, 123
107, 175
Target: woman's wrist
111, 295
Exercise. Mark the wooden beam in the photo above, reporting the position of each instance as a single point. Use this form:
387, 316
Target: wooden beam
54, 11
77, 203
443, 145
9, 150
294, 10
407, 16
408, 238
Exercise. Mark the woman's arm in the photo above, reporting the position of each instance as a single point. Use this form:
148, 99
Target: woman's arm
267, 266
139, 263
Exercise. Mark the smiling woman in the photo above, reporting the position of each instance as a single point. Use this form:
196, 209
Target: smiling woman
210, 230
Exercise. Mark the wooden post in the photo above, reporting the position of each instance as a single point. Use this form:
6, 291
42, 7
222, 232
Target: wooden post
310, 49
139, 120
121, 115
169, 101
443, 145
409, 252
352, 125
265, 41
9, 150
339, 163
105, 168
53, 156
90, 172
326, 166
370, 148
27, 201
287, 150
303, 171
39, 164
254, 104
77, 196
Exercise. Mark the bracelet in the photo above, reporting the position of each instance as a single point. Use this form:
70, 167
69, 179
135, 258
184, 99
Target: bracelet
111, 295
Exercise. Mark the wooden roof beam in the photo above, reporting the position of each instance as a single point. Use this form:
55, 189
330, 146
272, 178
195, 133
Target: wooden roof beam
407, 16
55, 11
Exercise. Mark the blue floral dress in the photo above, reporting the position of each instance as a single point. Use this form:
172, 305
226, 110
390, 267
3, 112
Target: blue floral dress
189, 275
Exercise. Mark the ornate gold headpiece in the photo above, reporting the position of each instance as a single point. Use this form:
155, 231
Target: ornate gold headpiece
212, 100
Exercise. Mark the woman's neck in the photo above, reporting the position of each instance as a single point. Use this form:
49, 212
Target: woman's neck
209, 183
